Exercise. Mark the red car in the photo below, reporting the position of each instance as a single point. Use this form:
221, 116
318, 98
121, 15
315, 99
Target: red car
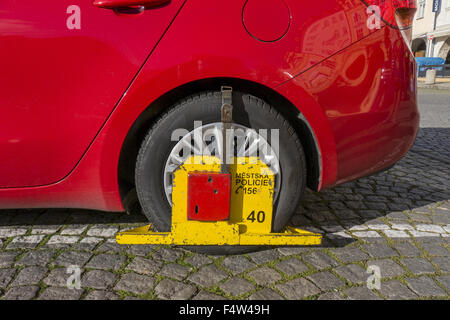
91, 92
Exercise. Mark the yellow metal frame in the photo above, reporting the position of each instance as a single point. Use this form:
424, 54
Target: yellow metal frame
251, 206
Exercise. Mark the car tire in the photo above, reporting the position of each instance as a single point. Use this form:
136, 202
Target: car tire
248, 111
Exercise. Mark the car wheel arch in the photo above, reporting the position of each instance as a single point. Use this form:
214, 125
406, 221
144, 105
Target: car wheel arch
138, 130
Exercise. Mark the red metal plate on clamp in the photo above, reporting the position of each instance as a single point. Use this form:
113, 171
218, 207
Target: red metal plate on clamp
209, 196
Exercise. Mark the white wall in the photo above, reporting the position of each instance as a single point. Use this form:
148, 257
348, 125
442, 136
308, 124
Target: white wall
443, 17
421, 26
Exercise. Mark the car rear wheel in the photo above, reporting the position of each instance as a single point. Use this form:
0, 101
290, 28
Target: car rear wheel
160, 155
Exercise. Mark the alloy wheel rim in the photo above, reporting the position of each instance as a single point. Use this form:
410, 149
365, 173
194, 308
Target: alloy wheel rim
207, 139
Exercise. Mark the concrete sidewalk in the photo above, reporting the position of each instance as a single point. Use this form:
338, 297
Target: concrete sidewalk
441, 84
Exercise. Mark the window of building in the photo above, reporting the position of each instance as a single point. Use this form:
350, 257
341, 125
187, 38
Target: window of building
421, 9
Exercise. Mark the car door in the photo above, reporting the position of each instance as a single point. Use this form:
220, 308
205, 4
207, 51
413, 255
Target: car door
64, 66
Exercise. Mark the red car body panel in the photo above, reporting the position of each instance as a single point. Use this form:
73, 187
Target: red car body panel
354, 86
59, 85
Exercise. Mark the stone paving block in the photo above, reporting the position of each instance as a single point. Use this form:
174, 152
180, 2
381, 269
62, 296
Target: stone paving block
141, 249
237, 264
30, 275
72, 258
58, 241
291, 266
443, 263
407, 249
174, 290
236, 286
444, 207
74, 230
264, 256
21, 293
36, 258
7, 258
397, 216
292, 250
366, 234
388, 268
106, 261
440, 219
298, 288
438, 240
353, 273
338, 207
402, 226
45, 229
265, 294
300, 220
445, 281
205, 295
101, 295
131, 298
304, 214
264, 276
167, 254
60, 294
427, 209
87, 243
98, 279
350, 254
361, 293
395, 234
418, 265
394, 290
320, 260
325, 280
357, 205
356, 227
337, 239
430, 228
135, 283
176, 271
57, 277
208, 276
334, 295
103, 231
145, 266
198, 260
25, 242
332, 228
379, 250
378, 226
8, 232
111, 246
422, 234
369, 214
417, 217
346, 214
6, 275
426, 287
435, 248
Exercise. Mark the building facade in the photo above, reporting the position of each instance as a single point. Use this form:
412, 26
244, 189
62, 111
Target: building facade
431, 29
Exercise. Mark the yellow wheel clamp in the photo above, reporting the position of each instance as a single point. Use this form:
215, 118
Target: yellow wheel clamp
250, 197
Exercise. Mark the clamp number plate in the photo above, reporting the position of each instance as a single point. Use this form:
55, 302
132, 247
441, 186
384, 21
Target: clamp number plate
258, 217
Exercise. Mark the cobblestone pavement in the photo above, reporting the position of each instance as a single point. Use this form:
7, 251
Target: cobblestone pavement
398, 220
